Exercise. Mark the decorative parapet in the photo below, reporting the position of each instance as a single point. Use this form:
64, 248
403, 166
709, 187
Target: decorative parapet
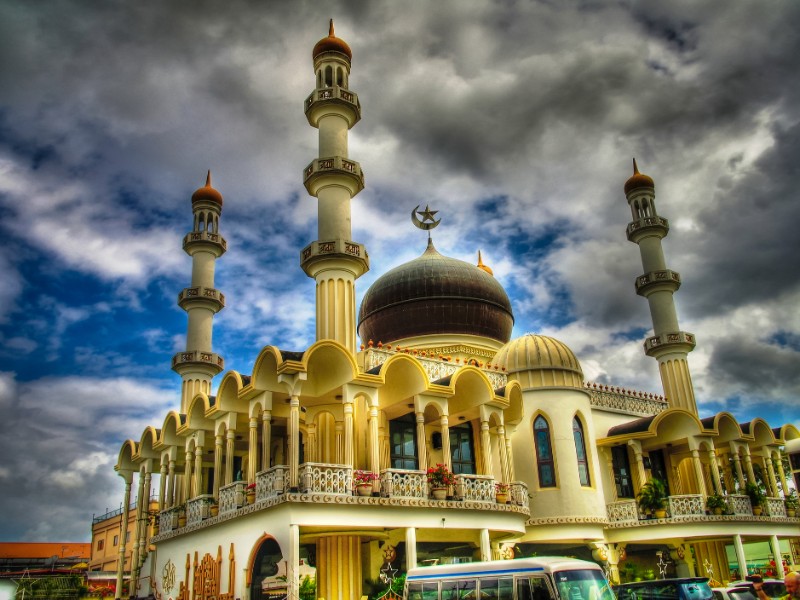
776, 507
231, 497
649, 225
272, 483
625, 401
623, 511
671, 340
337, 248
198, 508
326, 479
322, 100
345, 171
204, 238
475, 487
208, 297
739, 504
686, 504
658, 280
435, 368
518, 494
197, 357
403, 483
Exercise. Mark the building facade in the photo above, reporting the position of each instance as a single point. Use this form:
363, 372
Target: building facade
260, 481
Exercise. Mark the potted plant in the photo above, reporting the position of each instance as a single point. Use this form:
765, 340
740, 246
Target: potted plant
439, 478
250, 492
791, 504
362, 480
501, 492
213, 507
716, 504
653, 498
182, 516
756, 495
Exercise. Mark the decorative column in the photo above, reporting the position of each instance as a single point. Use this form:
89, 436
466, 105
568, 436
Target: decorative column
339, 434
640, 470
311, 443
715, 477
162, 486
218, 439
230, 438
374, 445
486, 448
294, 442
698, 472
782, 475
252, 451
748, 465
171, 488
144, 519
137, 529
348, 433
422, 447
198, 365
198, 471
771, 473
446, 457
740, 557
669, 345
266, 435
512, 476
123, 529
501, 444
486, 549
775, 547
737, 463
334, 261
411, 548
293, 563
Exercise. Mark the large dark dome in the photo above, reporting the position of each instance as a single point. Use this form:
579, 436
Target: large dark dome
434, 294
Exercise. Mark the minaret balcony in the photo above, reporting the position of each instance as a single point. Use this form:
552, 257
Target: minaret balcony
333, 170
196, 241
658, 281
658, 226
198, 359
346, 250
201, 297
333, 100
671, 341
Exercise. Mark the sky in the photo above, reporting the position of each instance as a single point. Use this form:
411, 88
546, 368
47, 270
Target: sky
516, 120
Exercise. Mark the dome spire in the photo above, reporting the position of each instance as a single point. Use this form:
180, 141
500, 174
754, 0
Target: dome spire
330, 30
208, 178
484, 267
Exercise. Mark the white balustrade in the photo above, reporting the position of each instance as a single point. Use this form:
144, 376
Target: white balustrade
686, 504
776, 507
518, 494
198, 508
403, 483
623, 510
273, 482
168, 519
475, 487
231, 497
326, 479
739, 504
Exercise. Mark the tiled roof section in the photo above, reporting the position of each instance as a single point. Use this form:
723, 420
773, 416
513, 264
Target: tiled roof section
500, 392
444, 380
289, 355
44, 549
212, 400
245, 380
708, 422
745, 428
637, 426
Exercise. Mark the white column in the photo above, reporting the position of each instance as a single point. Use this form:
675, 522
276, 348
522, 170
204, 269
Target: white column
292, 579
446, 458
740, 557
486, 449
486, 549
698, 472
411, 548
294, 442
776, 552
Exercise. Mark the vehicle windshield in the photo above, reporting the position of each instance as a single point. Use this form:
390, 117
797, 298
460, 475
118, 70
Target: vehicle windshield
582, 584
774, 589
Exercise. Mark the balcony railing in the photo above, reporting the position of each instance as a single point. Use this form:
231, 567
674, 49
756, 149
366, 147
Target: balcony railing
478, 488
272, 483
403, 483
686, 504
775, 507
168, 519
518, 494
738, 504
231, 497
326, 479
198, 508
623, 511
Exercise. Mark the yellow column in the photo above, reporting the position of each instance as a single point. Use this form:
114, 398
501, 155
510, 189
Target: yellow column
230, 438
252, 451
510, 457
266, 434
171, 491
198, 471
737, 462
145, 515
698, 472
123, 528
348, 434
486, 549
637, 453
339, 432
782, 475
501, 443
374, 445
137, 530
187, 476
162, 487
422, 448
486, 449
294, 442
712, 459
771, 473
311, 443
339, 567
218, 439
748, 464
446, 457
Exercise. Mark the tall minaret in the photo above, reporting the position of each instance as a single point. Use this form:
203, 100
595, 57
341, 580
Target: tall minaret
334, 260
670, 346
198, 364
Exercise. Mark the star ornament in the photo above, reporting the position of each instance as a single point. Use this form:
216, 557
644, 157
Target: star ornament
428, 214
388, 573
662, 566
428, 220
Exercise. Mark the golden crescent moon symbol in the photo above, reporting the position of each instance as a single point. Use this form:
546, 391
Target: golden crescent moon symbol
421, 224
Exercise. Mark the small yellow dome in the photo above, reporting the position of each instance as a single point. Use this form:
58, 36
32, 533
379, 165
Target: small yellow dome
332, 44
638, 180
540, 361
207, 193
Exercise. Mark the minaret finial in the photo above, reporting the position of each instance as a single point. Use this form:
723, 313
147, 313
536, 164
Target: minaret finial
330, 30
208, 179
635, 168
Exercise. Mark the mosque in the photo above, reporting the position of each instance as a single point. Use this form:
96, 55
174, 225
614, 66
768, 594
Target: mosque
438, 438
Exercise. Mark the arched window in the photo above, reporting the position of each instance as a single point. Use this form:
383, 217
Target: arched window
580, 450
544, 453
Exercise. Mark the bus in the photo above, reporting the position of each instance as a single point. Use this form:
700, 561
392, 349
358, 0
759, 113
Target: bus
539, 578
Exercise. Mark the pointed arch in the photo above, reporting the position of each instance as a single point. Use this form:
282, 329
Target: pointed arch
228, 393
543, 450
581, 450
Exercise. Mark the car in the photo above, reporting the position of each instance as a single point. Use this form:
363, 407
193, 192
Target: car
734, 592
774, 588
679, 588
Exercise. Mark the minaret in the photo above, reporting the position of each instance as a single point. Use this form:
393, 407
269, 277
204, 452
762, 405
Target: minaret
334, 260
198, 364
670, 346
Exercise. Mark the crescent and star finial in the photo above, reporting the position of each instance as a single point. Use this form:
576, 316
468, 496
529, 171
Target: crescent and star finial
428, 221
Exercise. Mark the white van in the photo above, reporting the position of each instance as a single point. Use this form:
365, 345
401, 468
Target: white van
540, 578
